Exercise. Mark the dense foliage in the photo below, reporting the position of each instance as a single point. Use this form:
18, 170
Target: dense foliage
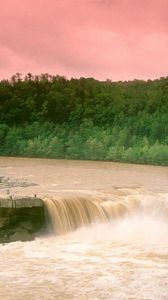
50, 116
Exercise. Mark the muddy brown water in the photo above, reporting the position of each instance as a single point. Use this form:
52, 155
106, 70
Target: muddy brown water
122, 254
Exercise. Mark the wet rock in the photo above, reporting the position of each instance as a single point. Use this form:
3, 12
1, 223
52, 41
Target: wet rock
27, 225
21, 235
21, 219
20, 202
4, 222
7, 183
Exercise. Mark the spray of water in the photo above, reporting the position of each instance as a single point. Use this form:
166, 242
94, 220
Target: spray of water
100, 248
68, 214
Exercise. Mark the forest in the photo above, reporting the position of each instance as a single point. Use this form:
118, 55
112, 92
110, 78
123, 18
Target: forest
55, 117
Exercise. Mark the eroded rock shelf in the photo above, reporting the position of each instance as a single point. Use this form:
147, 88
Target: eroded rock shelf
21, 218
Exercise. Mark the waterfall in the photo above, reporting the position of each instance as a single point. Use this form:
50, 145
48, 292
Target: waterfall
67, 214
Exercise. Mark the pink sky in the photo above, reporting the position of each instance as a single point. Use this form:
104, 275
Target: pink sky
116, 39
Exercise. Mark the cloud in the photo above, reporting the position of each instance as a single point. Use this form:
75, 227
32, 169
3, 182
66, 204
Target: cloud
117, 39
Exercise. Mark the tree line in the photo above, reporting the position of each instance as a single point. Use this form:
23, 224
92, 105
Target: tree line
51, 116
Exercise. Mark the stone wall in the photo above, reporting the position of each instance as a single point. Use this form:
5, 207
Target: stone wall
21, 219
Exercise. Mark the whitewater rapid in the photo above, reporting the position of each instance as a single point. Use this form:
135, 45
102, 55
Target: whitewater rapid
110, 241
126, 258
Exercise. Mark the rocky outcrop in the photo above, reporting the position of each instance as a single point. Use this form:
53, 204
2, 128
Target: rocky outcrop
21, 219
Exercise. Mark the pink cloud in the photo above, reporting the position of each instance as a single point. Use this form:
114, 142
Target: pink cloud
117, 39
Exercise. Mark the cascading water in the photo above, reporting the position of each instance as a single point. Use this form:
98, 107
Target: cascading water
111, 243
122, 254
67, 214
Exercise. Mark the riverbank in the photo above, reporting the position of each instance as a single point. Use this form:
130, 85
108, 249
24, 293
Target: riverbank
127, 143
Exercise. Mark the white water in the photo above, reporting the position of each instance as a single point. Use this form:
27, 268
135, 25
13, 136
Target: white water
126, 258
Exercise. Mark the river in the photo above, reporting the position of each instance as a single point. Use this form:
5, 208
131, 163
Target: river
122, 254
